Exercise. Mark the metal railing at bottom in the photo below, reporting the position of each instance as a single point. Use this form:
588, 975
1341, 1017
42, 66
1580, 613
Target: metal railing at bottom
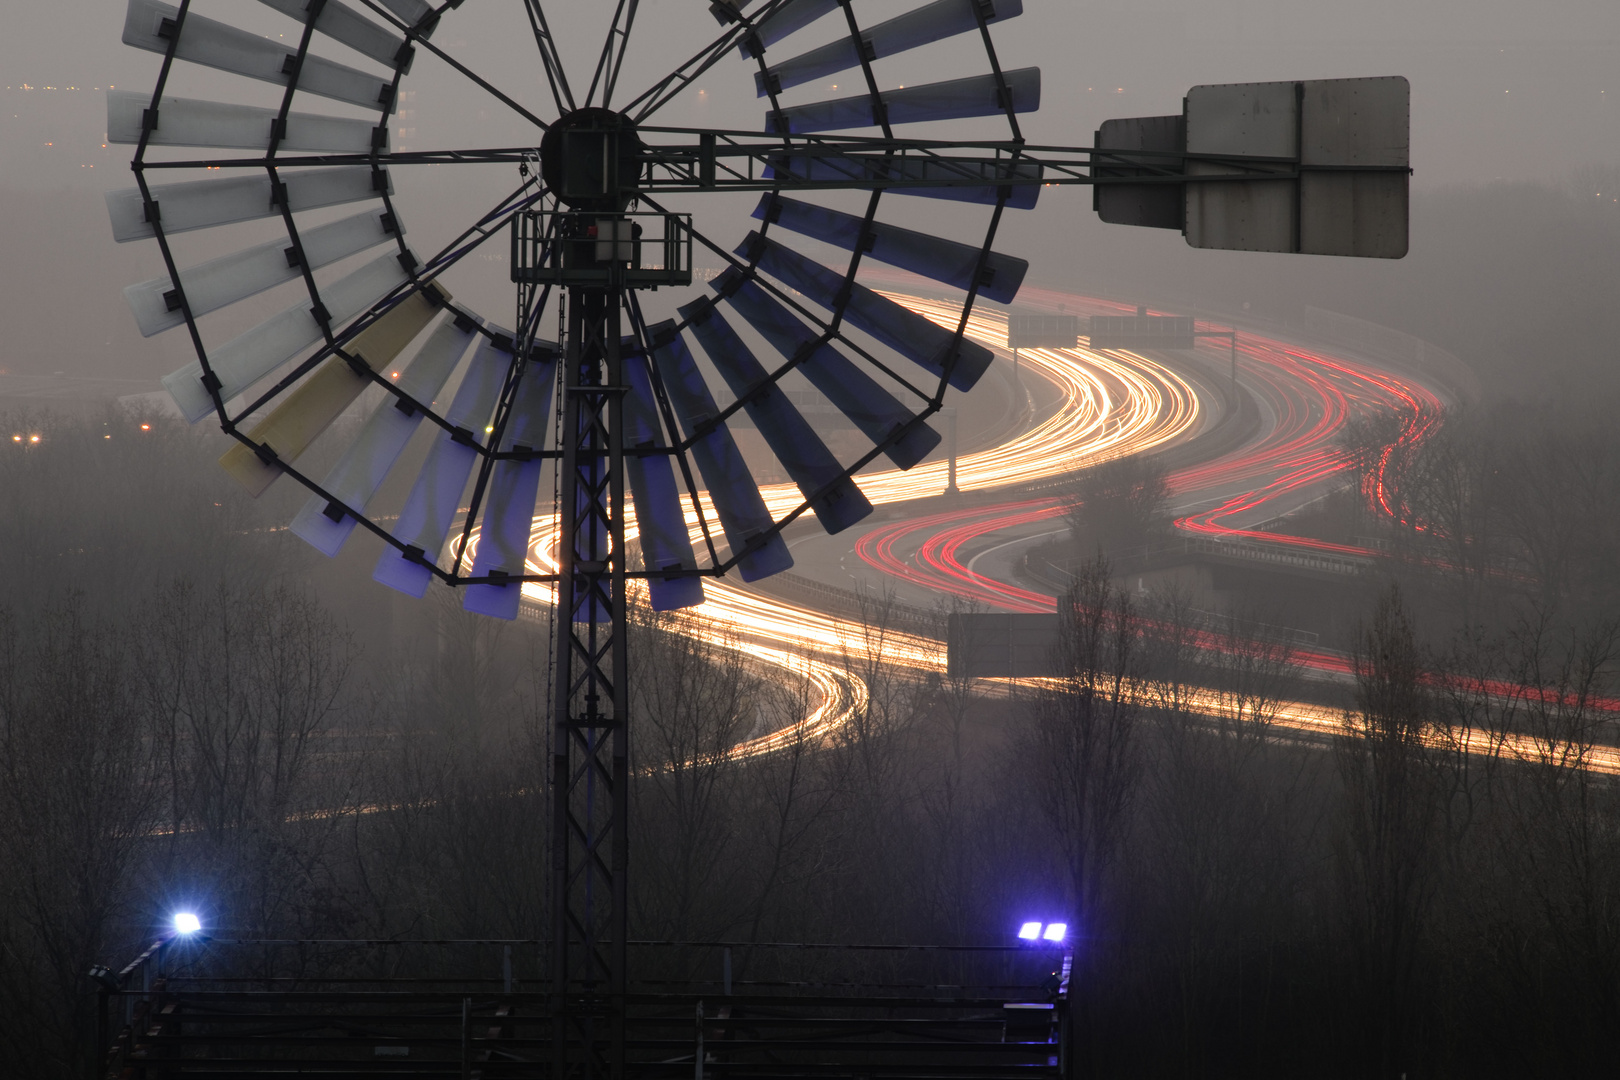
1010, 1020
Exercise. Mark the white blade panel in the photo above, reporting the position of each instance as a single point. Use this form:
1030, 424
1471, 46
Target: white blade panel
787, 19
243, 361
922, 26
191, 122
229, 278
218, 45
348, 27
366, 464
202, 204
410, 12
436, 496
508, 520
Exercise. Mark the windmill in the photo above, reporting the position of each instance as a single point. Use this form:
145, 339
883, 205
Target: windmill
1307, 167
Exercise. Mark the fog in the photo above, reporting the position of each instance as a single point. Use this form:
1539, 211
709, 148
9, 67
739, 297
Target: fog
1513, 130
1310, 821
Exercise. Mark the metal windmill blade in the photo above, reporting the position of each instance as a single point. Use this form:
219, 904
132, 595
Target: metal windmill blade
346, 332
748, 525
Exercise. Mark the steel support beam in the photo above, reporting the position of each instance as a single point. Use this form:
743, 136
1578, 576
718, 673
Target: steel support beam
590, 738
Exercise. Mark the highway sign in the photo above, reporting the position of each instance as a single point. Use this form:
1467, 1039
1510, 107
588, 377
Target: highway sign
1043, 331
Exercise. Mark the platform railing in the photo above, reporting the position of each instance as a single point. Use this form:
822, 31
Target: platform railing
256, 1007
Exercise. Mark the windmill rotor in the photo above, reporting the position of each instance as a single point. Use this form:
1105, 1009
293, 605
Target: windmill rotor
620, 406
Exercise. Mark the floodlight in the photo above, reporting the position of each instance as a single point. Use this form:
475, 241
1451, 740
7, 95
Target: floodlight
1030, 931
1056, 931
186, 924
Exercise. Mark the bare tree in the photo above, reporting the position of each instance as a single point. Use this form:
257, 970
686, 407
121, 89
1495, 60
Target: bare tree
1082, 751
77, 783
788, 799
1565, 842
1227, 812
1387, 849
1117, 506
458, 769
244, 685
953, 800
870, 757
694, 700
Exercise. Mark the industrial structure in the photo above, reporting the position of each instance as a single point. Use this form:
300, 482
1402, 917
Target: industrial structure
1316, 167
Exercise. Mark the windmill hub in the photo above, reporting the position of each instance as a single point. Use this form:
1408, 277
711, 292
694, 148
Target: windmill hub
589, 159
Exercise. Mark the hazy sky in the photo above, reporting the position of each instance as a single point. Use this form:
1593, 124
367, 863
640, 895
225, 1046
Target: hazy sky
1500, 89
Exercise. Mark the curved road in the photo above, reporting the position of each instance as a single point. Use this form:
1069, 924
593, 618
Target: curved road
1081, 407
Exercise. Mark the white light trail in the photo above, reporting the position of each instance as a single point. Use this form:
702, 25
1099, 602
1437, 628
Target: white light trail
1110, 405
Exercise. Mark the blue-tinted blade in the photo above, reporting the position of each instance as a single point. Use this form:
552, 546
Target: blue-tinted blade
791, 17
931, 256
955, 99
366, 463
436, 496
661, 522
731, 487
929, 23
956, 181
790, 437
508, 519
917, 339
867, 405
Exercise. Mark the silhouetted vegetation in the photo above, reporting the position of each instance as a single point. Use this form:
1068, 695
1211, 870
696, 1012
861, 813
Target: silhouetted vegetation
1428, 887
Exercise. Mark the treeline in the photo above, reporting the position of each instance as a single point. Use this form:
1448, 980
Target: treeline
1427, 886
1496, 510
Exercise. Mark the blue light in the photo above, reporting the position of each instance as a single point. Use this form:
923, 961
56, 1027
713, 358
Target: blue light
185, 923
1056, 931
1030, 931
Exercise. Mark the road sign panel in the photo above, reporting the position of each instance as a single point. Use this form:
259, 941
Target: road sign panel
1141, 332
1043, 331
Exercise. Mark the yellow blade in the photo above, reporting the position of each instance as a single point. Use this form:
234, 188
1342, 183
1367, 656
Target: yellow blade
320, 399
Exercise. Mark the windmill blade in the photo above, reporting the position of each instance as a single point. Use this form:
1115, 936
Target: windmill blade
152, 26
954, 99
311, 407
747, 524
790, 437
917, 339
348, 27
191, 122
223, 281
856, 394
366, 463
790, 18
932, 22
865, 169
514, 485
665, 542
435, 498
931, 256
202, 204
244, 360
414, 13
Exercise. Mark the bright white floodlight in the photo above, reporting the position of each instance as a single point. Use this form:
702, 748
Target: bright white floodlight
186, 923
1056, 931
1030, 931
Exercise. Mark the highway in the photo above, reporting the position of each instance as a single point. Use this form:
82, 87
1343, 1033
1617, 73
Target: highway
1082, 407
